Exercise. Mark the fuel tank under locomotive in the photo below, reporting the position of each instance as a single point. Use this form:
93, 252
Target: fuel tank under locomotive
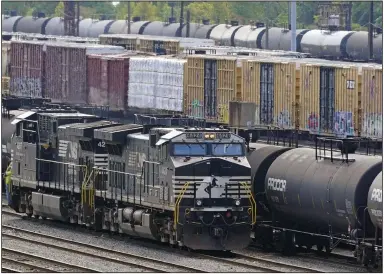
311, 194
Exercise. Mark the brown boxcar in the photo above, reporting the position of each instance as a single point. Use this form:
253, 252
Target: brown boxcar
372, 102
27, 69
118, 76
66, 70
96, 94
271, 85
328, 102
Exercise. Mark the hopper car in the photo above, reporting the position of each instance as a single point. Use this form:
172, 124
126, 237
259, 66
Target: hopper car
167, 180
328, 44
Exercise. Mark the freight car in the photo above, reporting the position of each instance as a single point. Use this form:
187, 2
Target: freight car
180, 185
308, 198
329, 44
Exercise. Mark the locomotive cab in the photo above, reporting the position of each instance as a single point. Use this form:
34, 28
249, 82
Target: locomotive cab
211, 187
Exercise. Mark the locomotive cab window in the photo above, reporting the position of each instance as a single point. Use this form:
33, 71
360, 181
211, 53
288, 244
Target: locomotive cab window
227, 150
186, 149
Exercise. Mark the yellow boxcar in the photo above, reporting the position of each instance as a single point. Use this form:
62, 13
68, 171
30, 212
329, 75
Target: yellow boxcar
372, 102
159, 45
211, 84
271, 85
128, 41
329, 99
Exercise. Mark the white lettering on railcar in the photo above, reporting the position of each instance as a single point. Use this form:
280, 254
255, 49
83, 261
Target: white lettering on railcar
277, 184
377, 195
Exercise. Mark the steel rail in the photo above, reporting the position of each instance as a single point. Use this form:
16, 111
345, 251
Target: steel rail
97, 249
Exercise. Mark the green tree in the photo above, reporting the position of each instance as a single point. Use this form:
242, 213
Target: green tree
59, 10
200, 11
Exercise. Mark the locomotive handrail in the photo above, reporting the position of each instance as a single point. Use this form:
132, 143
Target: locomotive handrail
178, 200
252, 201
69, 164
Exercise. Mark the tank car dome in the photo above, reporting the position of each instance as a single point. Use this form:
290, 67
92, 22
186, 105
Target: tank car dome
315, 193
9, 23
154, 28
375, 201
55, 26
99, 27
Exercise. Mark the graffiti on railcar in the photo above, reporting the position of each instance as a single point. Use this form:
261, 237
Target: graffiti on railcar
372, 125
343, 123
223, 113
26, 87
196, 109
284, 119
313, 122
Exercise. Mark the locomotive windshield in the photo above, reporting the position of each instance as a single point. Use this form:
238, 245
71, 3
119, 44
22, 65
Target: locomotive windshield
189, 149
227, 150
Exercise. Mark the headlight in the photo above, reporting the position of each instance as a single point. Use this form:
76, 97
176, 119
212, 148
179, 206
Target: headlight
237, 202
199, 202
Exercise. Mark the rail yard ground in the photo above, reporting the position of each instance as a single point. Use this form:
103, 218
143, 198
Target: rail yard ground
19, 228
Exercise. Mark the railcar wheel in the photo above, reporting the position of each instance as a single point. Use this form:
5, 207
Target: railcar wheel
36, 216
29, 215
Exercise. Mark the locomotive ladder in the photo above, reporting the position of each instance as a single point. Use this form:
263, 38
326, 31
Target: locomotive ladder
252, 202
178, 200
88, 190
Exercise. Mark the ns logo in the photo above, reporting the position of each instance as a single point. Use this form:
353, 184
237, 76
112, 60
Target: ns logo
277, 184
377, 195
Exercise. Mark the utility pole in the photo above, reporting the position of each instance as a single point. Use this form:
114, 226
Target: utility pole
78, 18
69, 18
181, 18
129, 17
293, 25
267, 34
370, 31
188, 23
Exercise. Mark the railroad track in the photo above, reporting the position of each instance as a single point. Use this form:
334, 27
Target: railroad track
147, 264
286, 267
234, 258
17, 261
